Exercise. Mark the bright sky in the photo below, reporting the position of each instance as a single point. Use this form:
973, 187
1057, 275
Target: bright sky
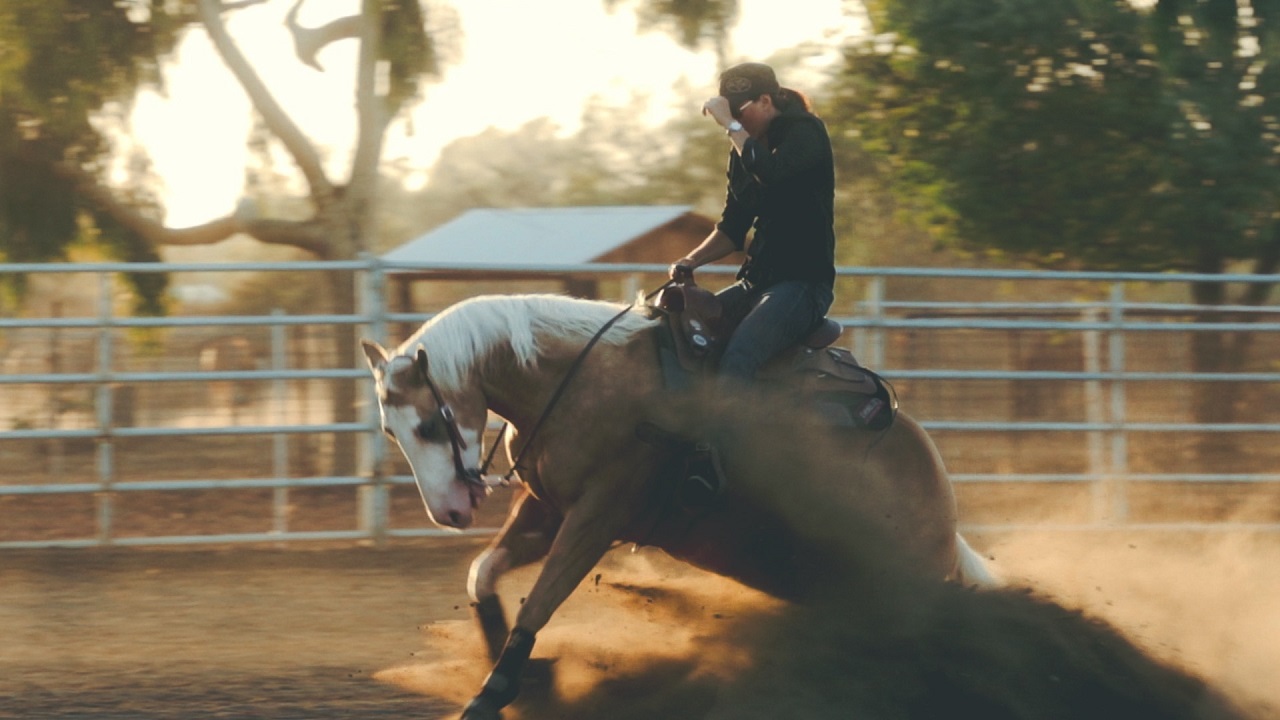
521, 60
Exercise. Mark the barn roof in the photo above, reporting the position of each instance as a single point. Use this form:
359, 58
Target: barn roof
564, 235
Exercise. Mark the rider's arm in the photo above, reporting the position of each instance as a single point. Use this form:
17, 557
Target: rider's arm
728, 236
715, 246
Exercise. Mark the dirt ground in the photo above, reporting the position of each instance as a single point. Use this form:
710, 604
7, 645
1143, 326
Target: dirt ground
239, 633
361, 632
327, 632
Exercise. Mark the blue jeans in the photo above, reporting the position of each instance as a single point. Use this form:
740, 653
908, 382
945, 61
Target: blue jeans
773, 319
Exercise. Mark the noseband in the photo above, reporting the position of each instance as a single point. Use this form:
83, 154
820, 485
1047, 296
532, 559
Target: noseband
473, 476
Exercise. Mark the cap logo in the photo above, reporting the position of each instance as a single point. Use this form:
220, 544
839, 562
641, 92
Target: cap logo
737, 84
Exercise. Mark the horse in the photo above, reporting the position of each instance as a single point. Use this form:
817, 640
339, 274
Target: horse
804, 509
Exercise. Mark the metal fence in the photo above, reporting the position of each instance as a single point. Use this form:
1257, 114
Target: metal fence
1087, 390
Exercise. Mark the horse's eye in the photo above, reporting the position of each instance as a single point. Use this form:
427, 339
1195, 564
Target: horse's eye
428, 430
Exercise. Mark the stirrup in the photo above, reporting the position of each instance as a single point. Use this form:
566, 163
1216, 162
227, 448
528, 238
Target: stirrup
703, 479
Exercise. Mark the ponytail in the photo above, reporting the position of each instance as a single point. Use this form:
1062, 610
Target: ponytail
787, 98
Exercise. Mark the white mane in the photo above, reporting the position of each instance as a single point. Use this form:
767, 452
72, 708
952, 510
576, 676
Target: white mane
466, 334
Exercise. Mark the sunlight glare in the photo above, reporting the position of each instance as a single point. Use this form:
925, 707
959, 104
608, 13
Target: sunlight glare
520, 61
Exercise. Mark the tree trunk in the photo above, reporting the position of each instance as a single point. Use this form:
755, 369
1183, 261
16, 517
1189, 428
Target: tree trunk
1217, 351
345, 392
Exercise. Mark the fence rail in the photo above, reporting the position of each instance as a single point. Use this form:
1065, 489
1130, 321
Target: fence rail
1105, 378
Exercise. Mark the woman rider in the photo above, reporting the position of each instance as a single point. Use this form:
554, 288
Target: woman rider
781, 181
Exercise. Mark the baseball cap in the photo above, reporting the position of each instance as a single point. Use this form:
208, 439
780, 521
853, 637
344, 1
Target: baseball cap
747, 81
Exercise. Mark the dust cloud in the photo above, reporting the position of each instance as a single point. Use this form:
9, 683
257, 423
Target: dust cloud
1097, 625
1202, 601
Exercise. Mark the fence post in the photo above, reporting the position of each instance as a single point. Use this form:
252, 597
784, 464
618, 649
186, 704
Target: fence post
1095, 415
374, 497
102, 402
54, 447
279, 441
869, 342
1119, 506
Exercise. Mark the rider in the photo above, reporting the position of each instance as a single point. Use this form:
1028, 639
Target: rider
781, 180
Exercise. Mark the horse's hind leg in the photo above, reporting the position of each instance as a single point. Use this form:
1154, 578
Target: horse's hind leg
525, 538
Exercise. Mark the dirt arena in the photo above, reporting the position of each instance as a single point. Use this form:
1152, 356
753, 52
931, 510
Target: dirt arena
360, 632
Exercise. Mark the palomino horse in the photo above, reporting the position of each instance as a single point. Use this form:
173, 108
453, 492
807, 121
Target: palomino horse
806, 508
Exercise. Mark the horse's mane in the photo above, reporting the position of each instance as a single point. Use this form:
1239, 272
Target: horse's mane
465, 335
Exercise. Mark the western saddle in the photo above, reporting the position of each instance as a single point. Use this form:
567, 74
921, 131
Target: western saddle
828, 377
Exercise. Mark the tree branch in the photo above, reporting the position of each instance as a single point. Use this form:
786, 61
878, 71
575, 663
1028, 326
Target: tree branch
238, 4
87, 187
297, 143
308, 42
304, 235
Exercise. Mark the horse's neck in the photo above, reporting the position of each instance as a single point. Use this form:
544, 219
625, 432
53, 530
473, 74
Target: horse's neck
519, 394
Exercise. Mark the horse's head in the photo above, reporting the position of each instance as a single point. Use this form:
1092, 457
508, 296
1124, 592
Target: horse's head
438, 429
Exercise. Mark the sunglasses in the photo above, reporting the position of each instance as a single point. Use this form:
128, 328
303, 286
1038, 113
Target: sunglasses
737, 112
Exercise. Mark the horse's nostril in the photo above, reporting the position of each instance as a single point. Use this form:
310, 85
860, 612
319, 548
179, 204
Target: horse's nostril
455, 518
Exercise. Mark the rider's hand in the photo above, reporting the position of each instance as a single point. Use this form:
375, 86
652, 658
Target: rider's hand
681, 271
718, 108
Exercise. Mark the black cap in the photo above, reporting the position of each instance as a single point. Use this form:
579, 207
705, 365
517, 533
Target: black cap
747, 81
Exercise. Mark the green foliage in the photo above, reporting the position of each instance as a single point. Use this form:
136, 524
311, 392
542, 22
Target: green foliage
1088, 133
64, 59
148, 288
61, 62
691, 22
408, 50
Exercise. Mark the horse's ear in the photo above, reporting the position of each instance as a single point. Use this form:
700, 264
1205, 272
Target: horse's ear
420, 362
376, 355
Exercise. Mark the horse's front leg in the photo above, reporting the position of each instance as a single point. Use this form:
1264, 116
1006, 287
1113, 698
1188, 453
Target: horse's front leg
525, 538
587, 532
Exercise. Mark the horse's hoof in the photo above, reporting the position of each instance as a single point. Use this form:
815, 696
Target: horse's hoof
481, 709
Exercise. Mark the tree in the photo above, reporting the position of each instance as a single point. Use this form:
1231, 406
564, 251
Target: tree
71, 58
62, 61
74, 57
1093, 134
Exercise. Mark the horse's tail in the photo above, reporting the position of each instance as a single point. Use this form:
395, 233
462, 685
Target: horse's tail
971, 570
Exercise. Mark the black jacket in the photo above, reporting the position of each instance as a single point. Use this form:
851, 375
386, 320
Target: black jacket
786, 189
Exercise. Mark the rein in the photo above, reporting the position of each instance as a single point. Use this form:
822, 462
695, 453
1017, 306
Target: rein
564, 384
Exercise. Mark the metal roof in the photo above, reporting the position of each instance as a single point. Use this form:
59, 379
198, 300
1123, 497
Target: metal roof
565, 235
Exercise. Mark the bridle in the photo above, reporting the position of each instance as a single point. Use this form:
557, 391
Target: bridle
473, 476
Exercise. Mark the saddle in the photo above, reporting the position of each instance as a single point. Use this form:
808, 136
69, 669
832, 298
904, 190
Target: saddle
828, 378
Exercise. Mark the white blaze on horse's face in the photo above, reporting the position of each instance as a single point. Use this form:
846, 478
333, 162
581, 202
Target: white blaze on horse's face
412, 418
